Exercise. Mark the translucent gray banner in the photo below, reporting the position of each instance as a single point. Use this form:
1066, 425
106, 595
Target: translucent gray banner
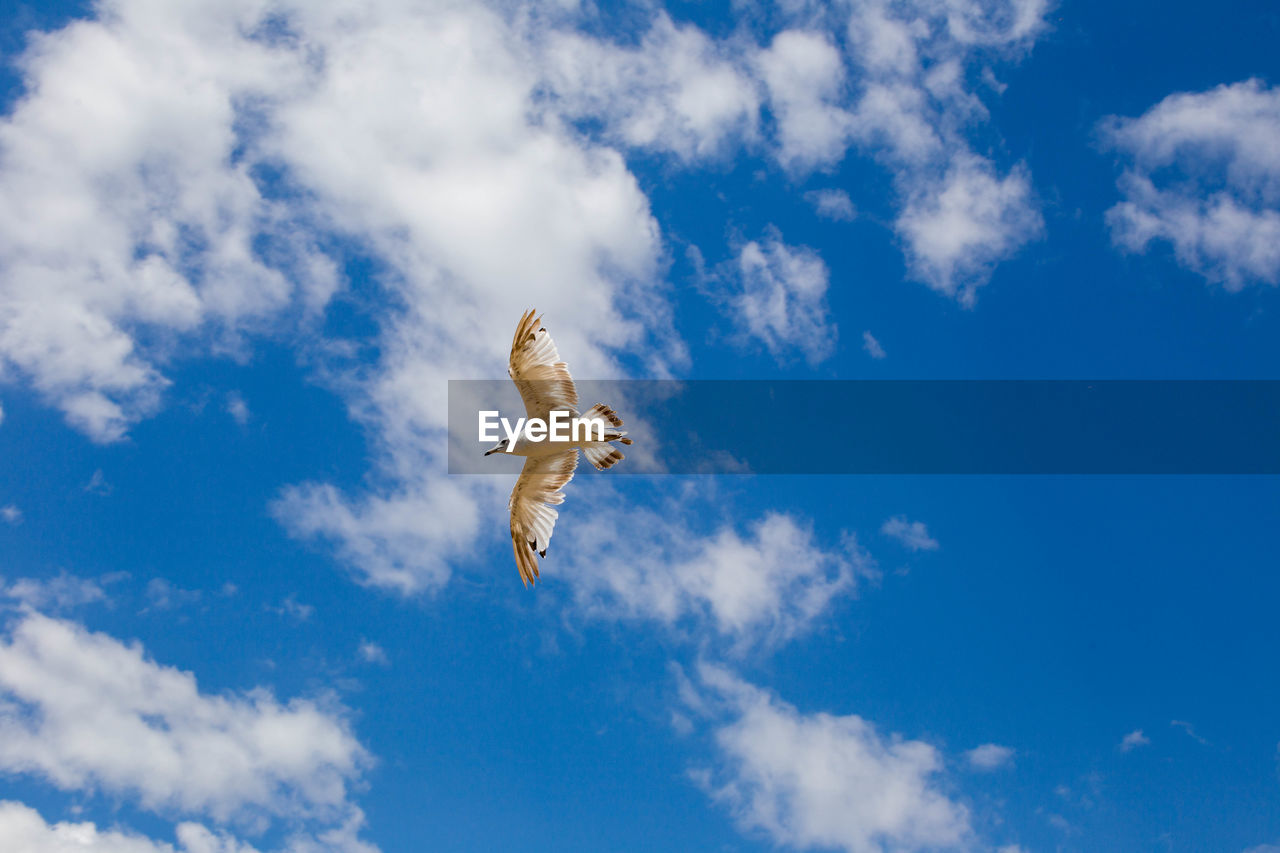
908, 427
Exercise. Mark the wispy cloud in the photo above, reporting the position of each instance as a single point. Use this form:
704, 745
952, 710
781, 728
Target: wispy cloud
872, 346
913, 535
371, 652
98, 484
163, 594
989, 756
237, 408
1189, 730
1133, 740
832, 204
11, 514
61, 592
294, 609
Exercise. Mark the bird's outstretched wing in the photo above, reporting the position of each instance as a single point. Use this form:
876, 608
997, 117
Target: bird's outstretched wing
542, 378
532, 516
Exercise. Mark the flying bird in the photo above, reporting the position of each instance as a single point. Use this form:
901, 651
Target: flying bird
546, 386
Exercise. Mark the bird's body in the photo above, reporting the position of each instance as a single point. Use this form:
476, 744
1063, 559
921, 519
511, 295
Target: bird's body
546, 386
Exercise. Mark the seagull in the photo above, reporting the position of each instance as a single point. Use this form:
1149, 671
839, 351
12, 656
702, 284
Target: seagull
545, 386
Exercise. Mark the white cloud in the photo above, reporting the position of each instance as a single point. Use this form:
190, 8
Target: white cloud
1010, 23
676, 91
371, 652
821, 780
1204, 176
777, 294
832, 204
1, 414
85, 712
404, 541
165, 595
98, 484
454, 143
61, 592
960, 217
25, 831
762, 586
487, 200
895, 119
806, 80
138, 214
421, 134
899, 92
872, 346
960, 227
1133, 740
294, 609
989, 756
913, 535
237, 408
11, 514
1189, 730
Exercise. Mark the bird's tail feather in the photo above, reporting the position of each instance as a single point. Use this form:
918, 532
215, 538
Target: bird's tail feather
600, 410
603, 456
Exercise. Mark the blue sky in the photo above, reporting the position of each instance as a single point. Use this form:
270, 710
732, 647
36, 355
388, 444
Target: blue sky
244, 245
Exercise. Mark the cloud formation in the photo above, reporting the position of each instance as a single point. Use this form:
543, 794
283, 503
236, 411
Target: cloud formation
234, 156
873, 346
777, 296
1133, 740
677, 91
85, 712
222, 151
832, 204
989, 756
25, 831
913, 535
1202, 174
760, 584
821, 780
130, 210
60, 592
891, 80
959, 228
